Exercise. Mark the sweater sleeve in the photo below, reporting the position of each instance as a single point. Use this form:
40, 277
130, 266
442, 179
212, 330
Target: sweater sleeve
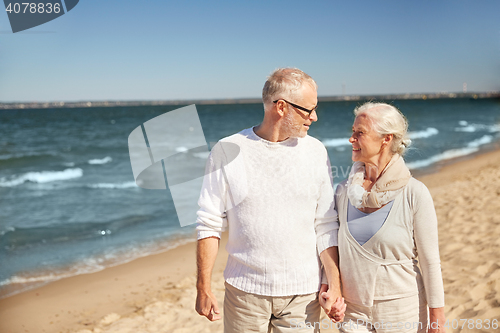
211, 221
426, 240
326, 222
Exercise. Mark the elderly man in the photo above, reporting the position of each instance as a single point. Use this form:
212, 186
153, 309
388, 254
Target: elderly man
271, 187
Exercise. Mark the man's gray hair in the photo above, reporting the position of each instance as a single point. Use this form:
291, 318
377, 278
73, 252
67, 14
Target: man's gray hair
284, 83
387, 119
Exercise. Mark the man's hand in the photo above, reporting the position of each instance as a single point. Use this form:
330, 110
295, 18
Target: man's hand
334, 307
325, 300
206, 305
330, 295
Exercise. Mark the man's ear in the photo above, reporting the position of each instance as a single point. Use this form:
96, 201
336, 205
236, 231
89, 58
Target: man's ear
280, 108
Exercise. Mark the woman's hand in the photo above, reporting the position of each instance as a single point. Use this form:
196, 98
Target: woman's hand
333, 306
436, 320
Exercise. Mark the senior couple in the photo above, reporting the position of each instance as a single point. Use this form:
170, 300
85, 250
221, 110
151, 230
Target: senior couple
295, 246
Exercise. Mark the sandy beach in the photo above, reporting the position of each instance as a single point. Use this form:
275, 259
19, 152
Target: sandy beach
157, 293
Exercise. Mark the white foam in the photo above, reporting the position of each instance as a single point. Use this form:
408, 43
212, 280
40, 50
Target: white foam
423, 134
494, 128
202, 155
336, 142
468, 128
42, 177
105, 160
478, 127
453, 153
481, 141
114, 186
89, 265
462, 123
23, 155
94, 264
7, 229
472, 147
181, 149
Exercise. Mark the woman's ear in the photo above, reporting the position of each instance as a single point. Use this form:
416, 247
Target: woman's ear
388, 139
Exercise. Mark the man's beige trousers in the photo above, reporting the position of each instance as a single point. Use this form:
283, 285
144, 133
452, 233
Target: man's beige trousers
245, 312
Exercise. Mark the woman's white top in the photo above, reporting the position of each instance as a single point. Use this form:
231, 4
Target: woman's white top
386, 266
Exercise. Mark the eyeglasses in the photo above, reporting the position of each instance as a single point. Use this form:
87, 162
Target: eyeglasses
298, 106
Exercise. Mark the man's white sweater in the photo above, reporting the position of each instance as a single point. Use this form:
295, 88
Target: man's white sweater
276, 200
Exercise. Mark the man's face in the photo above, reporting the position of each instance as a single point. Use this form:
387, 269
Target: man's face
296, 122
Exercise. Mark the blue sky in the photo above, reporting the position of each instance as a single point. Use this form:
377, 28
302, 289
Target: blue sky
169, 50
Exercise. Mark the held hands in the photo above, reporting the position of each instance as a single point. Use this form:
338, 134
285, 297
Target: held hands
333, 305
206, 305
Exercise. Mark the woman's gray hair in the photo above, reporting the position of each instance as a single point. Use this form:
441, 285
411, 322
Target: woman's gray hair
284, 83
387, 119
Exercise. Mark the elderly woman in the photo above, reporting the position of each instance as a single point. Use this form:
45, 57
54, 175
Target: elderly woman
387, 222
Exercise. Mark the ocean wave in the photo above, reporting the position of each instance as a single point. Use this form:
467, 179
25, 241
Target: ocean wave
470, 128
41, 177
453, 153
25, 159
114, 185
21, 237
7, 229
471, 147
114, 257
494, 128
423, 134
21, 156
481, 141
85, 268
336, 142
105, 160
203, 155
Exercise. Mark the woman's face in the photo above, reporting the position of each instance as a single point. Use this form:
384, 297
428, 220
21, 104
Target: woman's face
366, 142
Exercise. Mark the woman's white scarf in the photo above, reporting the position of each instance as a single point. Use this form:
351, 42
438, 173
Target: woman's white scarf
390, 183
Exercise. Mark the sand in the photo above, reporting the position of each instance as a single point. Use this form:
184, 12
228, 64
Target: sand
157, 293
467, 200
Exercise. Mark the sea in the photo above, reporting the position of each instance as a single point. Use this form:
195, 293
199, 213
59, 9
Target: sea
69, 204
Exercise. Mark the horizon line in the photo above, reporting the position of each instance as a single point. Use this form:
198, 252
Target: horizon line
336, 98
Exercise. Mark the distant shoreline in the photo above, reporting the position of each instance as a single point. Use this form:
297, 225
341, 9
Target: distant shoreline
85, 104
